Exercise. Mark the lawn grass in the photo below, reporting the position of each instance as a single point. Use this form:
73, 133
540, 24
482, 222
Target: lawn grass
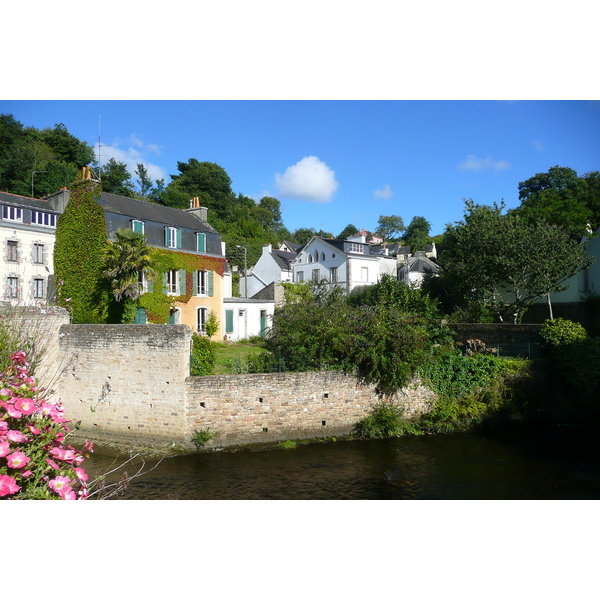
226, 355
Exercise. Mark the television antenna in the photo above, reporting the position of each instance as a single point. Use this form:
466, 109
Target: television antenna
100, 145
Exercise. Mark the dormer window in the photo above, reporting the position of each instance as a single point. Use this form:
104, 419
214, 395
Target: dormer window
137, 226
43, 218
172, 237
12, 213
201, 242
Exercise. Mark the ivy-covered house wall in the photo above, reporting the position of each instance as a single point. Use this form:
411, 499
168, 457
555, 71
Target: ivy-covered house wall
187, 253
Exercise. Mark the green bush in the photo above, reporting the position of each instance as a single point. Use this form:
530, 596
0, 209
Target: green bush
386, 420
562, 332
203, 356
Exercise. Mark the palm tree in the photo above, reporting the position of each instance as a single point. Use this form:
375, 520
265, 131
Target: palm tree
124, 260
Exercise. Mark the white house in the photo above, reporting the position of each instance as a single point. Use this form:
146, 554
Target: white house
247, 317
348, 263
273, 266
27, 234
414, 269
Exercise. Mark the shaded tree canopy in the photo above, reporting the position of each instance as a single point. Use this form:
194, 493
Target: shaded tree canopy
390, 227
116, 179
348, 231
562, 198
417, 233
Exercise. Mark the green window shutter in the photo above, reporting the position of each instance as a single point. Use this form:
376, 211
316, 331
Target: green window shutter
138, 227
211, 284
179, 238
201, 238
228, 321
195, 283
182, 285
166, 237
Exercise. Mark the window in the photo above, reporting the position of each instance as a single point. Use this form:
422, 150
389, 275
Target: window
201, 242
142, 283
38, 288
172, 237
322, 256
352, 247
12, 250
204, 283
201, 319
172, 282
43, 218
38, 253
299, 276
315, 275
334, 274
12, 286
137, 226
364, 274
12, 213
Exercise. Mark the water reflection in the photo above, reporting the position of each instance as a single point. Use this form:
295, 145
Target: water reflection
500, 464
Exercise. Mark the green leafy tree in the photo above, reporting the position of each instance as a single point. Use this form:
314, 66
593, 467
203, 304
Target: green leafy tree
205, 180
116, 179
348, 231
390, 227
417, 233
559, 197
505, 262
303, 235
145, 183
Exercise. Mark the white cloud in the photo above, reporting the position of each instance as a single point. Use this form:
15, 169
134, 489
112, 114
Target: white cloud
131, 152
309, 179
474, 163
385, 192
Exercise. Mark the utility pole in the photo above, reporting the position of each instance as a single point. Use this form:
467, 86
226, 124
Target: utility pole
245, 270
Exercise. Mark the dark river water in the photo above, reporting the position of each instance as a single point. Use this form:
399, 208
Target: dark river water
556, 462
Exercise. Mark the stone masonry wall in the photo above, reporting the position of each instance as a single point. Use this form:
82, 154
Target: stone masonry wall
125, 381
279, 406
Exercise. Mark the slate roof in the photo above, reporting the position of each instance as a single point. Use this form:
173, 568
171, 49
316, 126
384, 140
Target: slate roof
25, 202
419, 264
283, 259
147, 211
293, 247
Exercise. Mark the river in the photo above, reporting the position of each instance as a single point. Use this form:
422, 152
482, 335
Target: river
503, 463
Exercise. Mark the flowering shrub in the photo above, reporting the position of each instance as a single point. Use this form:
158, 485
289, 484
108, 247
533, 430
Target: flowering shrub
35, 462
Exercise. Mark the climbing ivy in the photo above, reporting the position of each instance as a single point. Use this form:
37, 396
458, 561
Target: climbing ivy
158, 305
80, 243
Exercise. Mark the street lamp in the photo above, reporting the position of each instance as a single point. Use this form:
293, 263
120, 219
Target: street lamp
245, 270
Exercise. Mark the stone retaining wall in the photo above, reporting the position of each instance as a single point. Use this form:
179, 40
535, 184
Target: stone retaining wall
280, 406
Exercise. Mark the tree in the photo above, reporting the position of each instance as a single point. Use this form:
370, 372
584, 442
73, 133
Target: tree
559, 197
505, 262
417, 233
145, 183
126, 261
389, 228
205, 180
116, 179
348, 231
303, 235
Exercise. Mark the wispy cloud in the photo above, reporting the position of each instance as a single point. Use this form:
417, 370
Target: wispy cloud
132, 151
385, 192
538, 145
309, 179
474, 163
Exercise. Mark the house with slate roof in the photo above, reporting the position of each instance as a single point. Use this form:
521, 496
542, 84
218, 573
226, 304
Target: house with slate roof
414, 269
273, 266
195, 291
27, 234
347, 263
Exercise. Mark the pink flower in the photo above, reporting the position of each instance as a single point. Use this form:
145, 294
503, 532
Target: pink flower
13, 412
58, 484
8, 485
33, 429
81, 474
14, 435
3, 426
17, 460
67, 493
4, 448
26, 473
88, 446
25, 405
6, 392
52, 464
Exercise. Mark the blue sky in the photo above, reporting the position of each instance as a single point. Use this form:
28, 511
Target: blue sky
332, 163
